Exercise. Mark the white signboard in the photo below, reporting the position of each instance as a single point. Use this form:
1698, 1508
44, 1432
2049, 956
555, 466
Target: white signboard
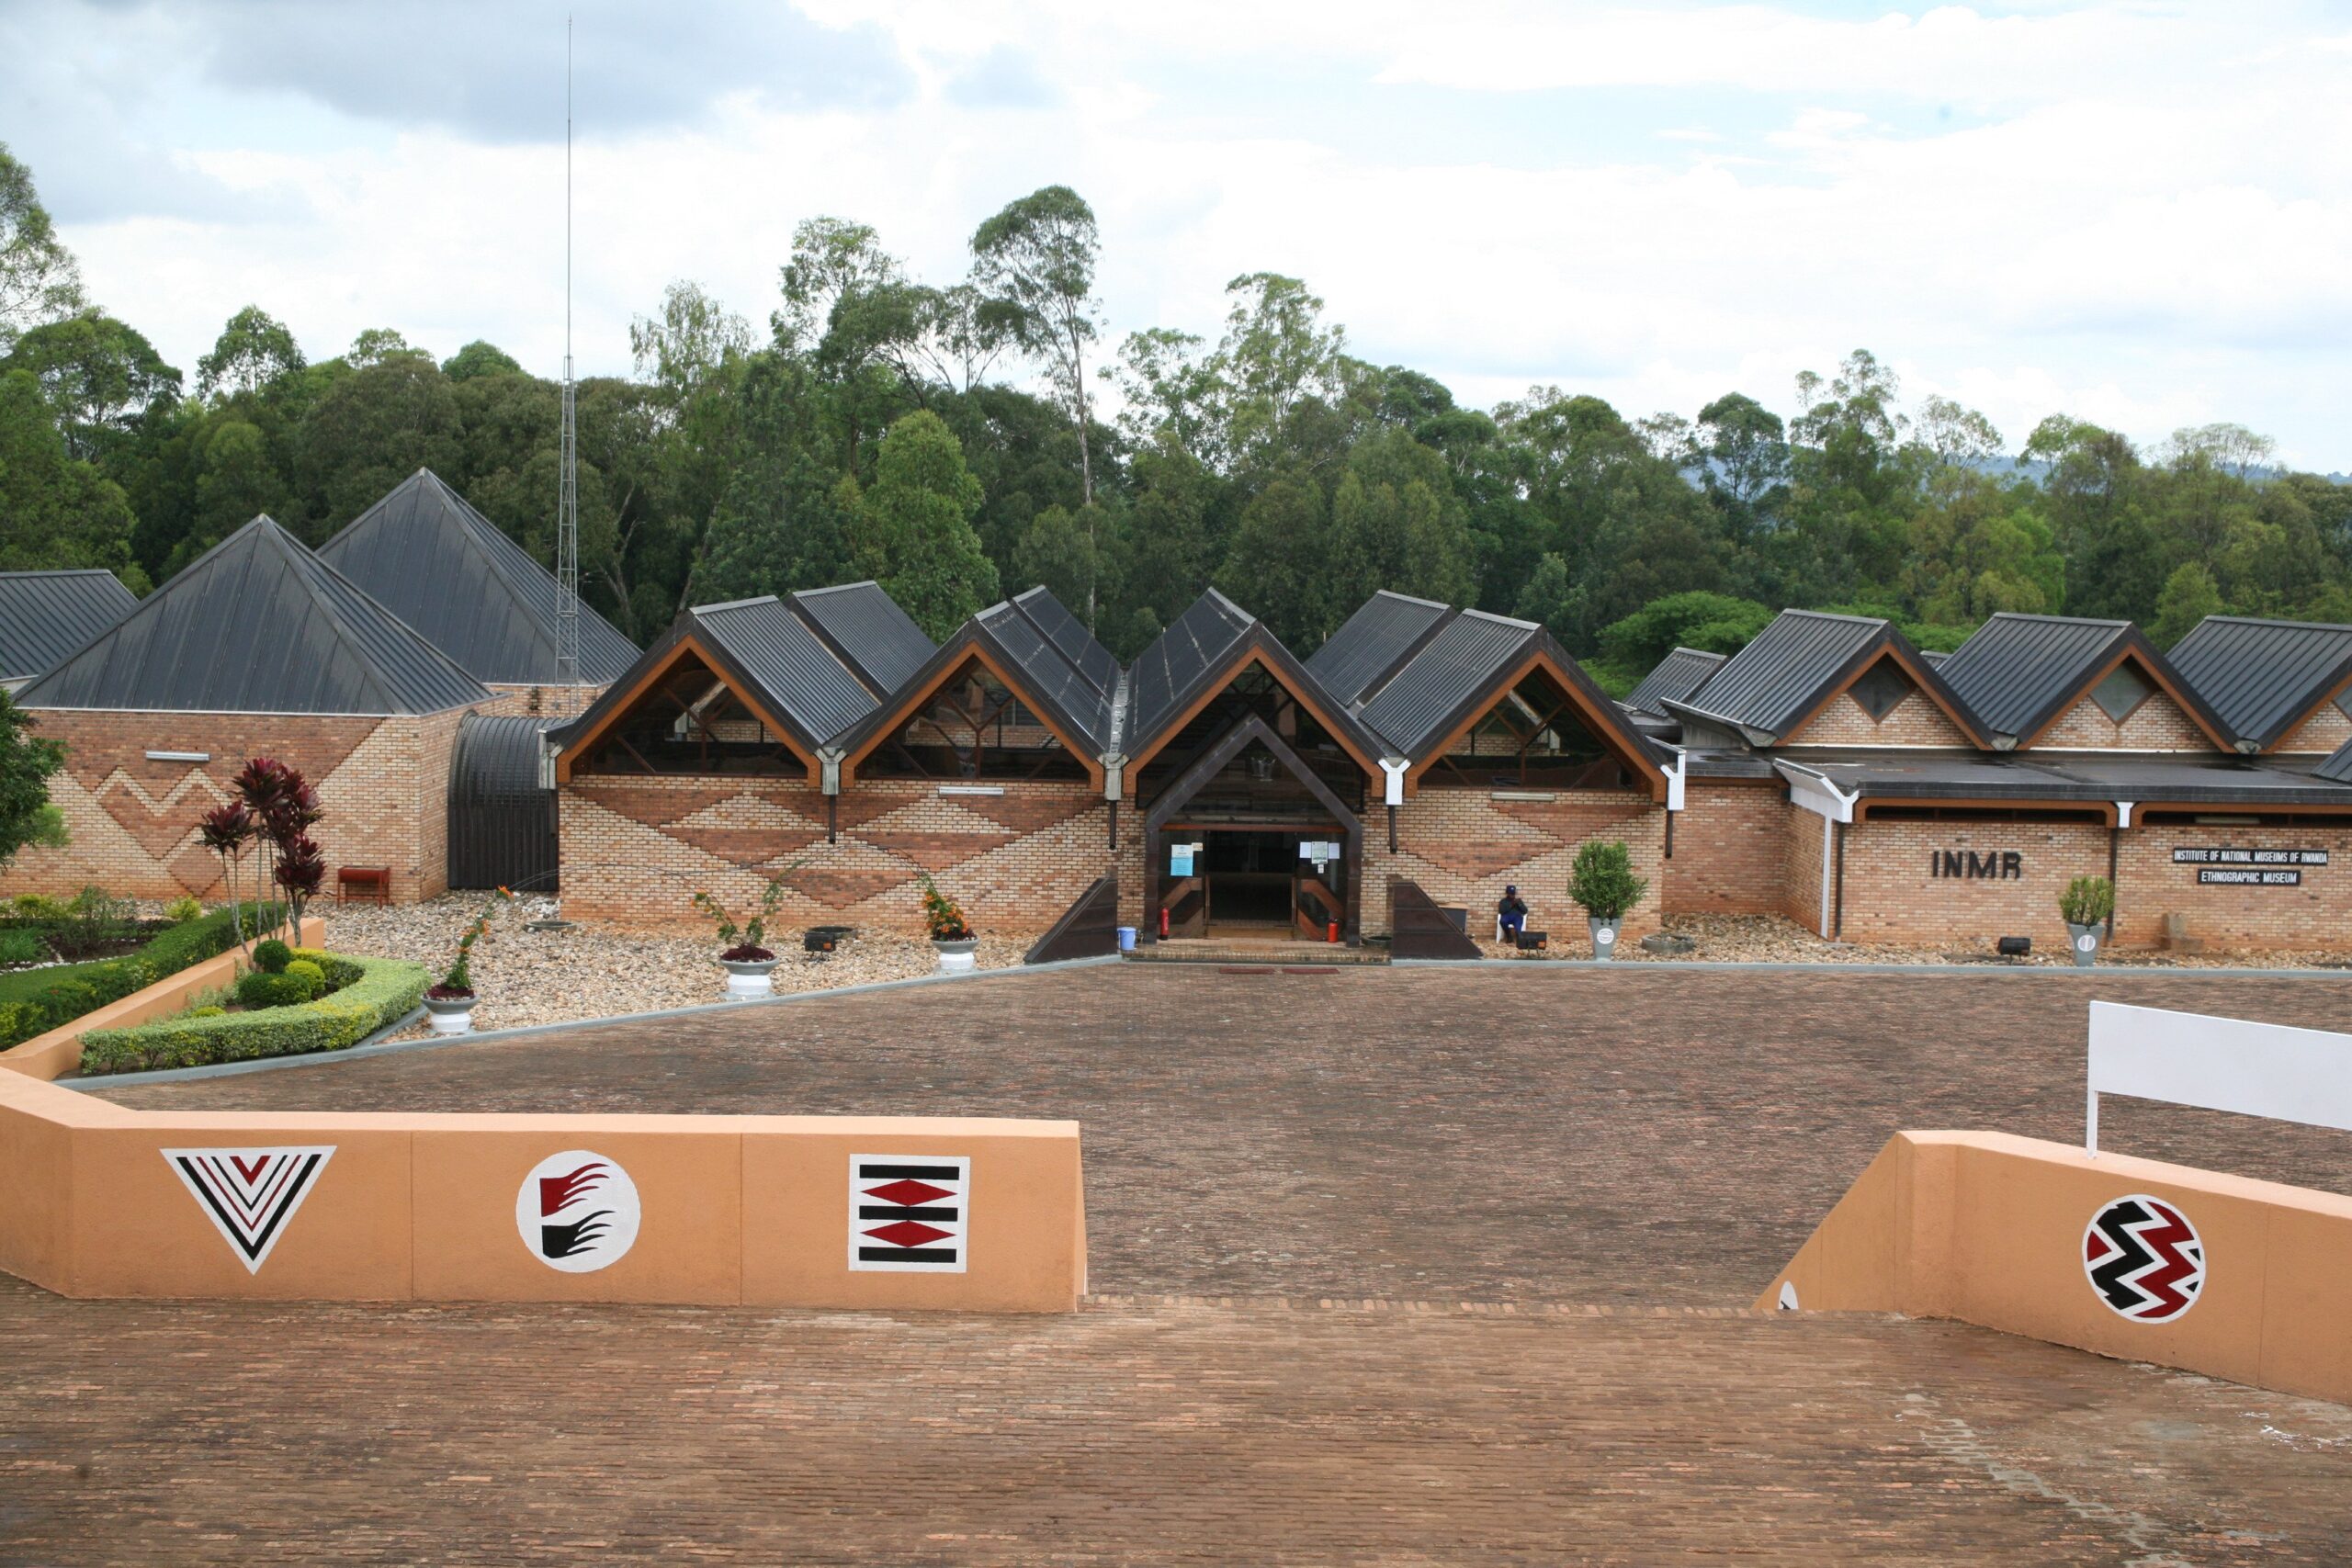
2221, 1064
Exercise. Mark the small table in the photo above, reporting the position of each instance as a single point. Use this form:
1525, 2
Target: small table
373, 883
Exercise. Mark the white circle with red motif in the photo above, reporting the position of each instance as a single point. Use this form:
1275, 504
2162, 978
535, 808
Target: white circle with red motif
2143, 1259
577, 1211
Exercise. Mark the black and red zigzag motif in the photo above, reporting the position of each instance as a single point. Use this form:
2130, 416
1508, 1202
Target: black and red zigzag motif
2143, 1259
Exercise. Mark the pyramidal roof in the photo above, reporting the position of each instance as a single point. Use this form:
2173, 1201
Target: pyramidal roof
258, 624
466, 588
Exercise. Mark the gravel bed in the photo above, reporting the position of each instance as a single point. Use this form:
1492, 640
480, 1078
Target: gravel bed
1770, 939
526, 978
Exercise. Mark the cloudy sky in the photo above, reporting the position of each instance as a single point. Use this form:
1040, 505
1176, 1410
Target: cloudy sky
2136, 213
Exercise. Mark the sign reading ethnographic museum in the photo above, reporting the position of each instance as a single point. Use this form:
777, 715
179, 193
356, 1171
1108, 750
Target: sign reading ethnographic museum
2248, 868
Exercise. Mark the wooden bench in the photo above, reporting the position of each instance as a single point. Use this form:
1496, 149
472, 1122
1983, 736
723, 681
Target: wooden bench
373, 883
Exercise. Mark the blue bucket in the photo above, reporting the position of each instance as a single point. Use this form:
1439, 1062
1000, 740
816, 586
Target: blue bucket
1126, 939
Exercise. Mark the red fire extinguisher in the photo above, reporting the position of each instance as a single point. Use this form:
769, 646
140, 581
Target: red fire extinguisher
1163, 925
1333, 933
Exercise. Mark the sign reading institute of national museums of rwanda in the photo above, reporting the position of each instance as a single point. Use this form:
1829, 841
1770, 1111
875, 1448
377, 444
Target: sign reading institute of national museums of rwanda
2249, 868
1976, 865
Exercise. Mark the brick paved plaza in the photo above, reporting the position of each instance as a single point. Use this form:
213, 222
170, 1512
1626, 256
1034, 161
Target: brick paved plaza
1403, 1265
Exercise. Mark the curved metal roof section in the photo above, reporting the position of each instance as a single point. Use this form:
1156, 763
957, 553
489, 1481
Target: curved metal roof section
1785, 670
867, 628
791, 666
2263, 677
1387, 630
456, 578
2017, 672
47, 616
1677, 676
1424, 698
258, 624
497, 754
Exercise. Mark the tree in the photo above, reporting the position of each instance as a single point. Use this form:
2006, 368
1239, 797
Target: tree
1713, 622
1276, 354
480, 359
377, 345
1034, 264
255, 350
27, 761
911, 531
238, 482
372, 429
1277, 560
58, 511
1064, 552
2190, 596
1170, 549
39, 279
99, 374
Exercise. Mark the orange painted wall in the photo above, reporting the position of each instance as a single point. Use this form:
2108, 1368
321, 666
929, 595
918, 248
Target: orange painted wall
1988, 1229
737, 1210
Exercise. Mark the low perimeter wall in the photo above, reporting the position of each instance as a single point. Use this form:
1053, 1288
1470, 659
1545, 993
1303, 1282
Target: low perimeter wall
2220, 1274
890, 1212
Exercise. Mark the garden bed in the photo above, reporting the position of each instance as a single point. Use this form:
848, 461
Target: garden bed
37, 1000
364, 995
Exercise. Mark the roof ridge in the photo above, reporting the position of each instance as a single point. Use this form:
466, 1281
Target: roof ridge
837, 588
2268, 621
732, 604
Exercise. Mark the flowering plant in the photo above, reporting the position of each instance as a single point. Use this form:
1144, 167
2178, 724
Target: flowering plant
754, 932
943, 914
459, 980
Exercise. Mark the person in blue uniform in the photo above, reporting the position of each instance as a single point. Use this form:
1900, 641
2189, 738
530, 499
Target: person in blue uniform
1510, 915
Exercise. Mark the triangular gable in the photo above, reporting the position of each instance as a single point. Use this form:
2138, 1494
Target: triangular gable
1889, 646
1914, 719
969, 646
655, 667
1259, 646
1601, 715
2076, 721
2323, 727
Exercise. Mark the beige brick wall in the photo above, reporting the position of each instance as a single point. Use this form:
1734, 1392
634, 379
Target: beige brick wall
2156, 725
1914, 721
553, 702
1893, 895
1463, 847
636, 850
132, 822
1731, 848
2318, 914
2326, 730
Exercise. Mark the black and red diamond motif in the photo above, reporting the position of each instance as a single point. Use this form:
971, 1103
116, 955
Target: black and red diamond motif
907, 1213
2143, 1259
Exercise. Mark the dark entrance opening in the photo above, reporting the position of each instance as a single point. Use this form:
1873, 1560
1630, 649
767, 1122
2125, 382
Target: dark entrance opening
1249, 841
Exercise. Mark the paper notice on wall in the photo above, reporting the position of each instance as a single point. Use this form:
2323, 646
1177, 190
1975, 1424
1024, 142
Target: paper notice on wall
1180, 859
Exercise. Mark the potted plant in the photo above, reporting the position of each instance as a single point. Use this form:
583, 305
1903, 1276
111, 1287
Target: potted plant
2085, 906
747, 962
951, 933
1603, 883
450, 1004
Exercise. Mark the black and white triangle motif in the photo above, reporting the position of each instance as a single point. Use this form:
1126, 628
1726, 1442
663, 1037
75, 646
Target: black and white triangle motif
250, 1195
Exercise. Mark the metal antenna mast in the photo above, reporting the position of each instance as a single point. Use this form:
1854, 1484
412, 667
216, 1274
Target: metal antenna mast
567, 520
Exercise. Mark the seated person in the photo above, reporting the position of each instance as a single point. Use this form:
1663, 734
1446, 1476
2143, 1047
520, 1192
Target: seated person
1510, 916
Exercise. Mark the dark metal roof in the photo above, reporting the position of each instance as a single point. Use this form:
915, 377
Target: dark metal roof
1046, 675
1068, 635
258, 624
2263, 677
1679, 675
1165, 675
2020, 672
1421, 701
1934, 656
789, 666
44, 615
467, 589
868, 629
497, 756
1386, 629
2338, 767
1784, 673
2088, 777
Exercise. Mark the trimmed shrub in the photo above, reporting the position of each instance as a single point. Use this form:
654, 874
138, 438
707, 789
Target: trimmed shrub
180, 911
370, 993
39, 907
1602, 879
22, 947
309, 970
2086, 901
208, 1012
37, 1000
271, 955
259, 990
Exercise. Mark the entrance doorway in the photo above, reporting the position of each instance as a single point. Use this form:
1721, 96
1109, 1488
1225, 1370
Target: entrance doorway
1275, 884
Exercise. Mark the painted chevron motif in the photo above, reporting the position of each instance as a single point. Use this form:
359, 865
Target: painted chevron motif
2143, 1259
250, 1195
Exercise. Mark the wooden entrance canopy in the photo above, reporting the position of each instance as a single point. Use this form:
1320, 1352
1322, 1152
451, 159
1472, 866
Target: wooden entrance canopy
1181, 791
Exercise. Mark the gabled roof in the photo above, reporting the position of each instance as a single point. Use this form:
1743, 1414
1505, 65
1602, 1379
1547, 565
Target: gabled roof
2020, 673
1198, 654
2264, 677
258, 624
1803, 658
476, 595
868, 629
1386, 629
2338, 766
1679, 675
44, 615
1464, 671
1044, 657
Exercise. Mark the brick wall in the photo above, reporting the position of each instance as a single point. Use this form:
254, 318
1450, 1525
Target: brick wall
636, 850
1730, 849
2150, 887
1463, 847
1914, 721
2156, 725
1891, 894
383, 783
2323, 731
554, 702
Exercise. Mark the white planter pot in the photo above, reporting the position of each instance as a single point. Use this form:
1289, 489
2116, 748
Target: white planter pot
747, 978
1604, 937
2085, 940
451, 1015
955, 957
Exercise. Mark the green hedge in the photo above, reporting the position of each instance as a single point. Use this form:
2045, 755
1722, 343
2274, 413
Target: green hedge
370, 993
34, 1001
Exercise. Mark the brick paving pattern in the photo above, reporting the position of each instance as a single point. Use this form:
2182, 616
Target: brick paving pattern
1540, 1134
